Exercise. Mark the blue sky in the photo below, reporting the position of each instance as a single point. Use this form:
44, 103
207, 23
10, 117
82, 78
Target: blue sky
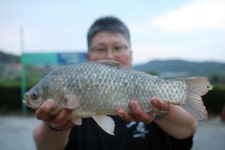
176, 29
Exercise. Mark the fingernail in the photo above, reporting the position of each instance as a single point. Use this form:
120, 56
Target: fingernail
49, 103
154, 102
119, 113
133, 105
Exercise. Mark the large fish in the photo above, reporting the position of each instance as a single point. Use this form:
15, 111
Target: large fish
97, 89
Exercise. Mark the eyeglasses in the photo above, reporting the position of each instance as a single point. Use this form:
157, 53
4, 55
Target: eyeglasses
116, 50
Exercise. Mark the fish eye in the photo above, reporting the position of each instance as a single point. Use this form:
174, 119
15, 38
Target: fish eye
34, 95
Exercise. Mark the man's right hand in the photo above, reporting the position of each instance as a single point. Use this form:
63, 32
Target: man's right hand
60, 121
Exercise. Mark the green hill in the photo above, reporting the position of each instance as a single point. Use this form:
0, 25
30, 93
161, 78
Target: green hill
8, 58
187, 67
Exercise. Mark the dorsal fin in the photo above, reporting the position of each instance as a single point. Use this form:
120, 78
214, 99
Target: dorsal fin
146, 74
110, 62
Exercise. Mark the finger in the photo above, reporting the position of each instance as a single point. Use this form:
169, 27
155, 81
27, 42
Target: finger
62, 117
160, 104
139, 113
69, 124
43, 112
125, 116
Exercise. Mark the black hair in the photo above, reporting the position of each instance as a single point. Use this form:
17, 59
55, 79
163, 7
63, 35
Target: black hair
108, 23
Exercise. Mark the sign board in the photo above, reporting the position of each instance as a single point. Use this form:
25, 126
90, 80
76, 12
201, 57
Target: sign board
71, 58
53, 58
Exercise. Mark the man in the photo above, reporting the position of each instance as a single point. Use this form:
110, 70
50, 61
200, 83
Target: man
109, 38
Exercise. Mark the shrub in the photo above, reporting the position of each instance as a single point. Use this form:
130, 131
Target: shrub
215, 99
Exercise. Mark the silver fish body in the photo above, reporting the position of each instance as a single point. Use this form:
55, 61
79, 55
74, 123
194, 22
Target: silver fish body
102, 87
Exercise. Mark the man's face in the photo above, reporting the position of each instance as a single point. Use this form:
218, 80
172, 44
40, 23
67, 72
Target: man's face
110, 45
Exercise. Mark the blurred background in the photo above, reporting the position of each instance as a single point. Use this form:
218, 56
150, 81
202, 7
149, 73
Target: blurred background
170, 39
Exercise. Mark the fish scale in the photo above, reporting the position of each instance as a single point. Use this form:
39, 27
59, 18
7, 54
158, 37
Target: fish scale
107, 85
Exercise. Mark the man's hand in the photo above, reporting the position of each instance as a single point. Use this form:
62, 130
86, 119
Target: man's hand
59, 121
137, 114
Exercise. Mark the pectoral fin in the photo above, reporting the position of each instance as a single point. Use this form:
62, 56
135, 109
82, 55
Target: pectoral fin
105, 122
76, 121
72, 101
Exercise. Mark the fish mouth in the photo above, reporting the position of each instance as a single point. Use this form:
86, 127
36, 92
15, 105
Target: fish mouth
27, 103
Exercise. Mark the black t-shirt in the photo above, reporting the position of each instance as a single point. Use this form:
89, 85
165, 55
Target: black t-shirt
128, 136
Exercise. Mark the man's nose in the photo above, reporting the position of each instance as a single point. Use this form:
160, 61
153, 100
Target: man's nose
109, 55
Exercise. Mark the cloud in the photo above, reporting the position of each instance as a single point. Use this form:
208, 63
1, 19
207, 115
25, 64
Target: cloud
9, 39
196, 15
145, 52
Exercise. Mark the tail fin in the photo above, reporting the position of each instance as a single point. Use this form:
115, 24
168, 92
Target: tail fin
197, 87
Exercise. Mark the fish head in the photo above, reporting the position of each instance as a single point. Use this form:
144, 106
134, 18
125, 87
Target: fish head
45, 89
33, 98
